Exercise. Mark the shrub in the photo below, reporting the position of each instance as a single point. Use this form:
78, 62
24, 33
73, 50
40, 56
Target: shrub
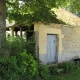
23, 67
27, 65
44, 72
68, 66
30, 46
20, 65
16, 45
53, 69
8, 68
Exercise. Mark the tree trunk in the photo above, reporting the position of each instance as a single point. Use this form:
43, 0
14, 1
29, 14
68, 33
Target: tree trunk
2, 19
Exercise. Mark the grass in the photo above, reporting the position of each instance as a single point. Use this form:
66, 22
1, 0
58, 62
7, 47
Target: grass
74, 75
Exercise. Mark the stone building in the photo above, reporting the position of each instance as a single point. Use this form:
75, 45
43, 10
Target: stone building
59, 42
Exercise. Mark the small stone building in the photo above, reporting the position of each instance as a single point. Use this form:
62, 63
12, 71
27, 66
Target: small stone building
59, 42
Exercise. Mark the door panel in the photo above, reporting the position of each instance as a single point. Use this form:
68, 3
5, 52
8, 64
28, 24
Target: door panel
51, 48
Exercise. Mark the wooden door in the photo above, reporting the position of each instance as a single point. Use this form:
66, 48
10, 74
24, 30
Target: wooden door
51, 48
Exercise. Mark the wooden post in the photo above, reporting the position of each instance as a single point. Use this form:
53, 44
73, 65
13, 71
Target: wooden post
12, 31
20, 32
16, 33
26, 34
36, 35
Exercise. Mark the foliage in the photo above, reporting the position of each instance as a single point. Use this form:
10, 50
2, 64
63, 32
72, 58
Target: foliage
16, 45
44, 72
55, 77
73, 6
28, 66
19, 65
53, 69
23, 67
8, 68
29, 11
30, 46
68, 66
74, 75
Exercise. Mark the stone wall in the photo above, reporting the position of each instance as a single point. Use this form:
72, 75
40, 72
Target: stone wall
70, 42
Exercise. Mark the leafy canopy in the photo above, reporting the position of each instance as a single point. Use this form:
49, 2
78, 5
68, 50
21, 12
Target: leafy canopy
29, 11
73, 6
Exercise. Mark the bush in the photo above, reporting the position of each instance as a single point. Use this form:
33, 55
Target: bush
8, 68
27, 65
23, 67
68, 66
16, 45
53, 69
30, 47
44, 72
20, 64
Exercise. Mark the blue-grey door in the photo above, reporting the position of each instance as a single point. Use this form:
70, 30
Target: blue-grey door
51, 48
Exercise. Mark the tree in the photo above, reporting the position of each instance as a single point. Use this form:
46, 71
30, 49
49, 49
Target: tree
74, 7
28, 11
2, 19
32, 11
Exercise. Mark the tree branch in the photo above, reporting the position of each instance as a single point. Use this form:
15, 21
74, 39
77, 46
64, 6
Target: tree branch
11, 4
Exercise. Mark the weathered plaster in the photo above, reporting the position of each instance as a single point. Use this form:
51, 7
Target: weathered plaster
43, 31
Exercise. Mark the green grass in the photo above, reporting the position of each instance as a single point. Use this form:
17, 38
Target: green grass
74, 75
